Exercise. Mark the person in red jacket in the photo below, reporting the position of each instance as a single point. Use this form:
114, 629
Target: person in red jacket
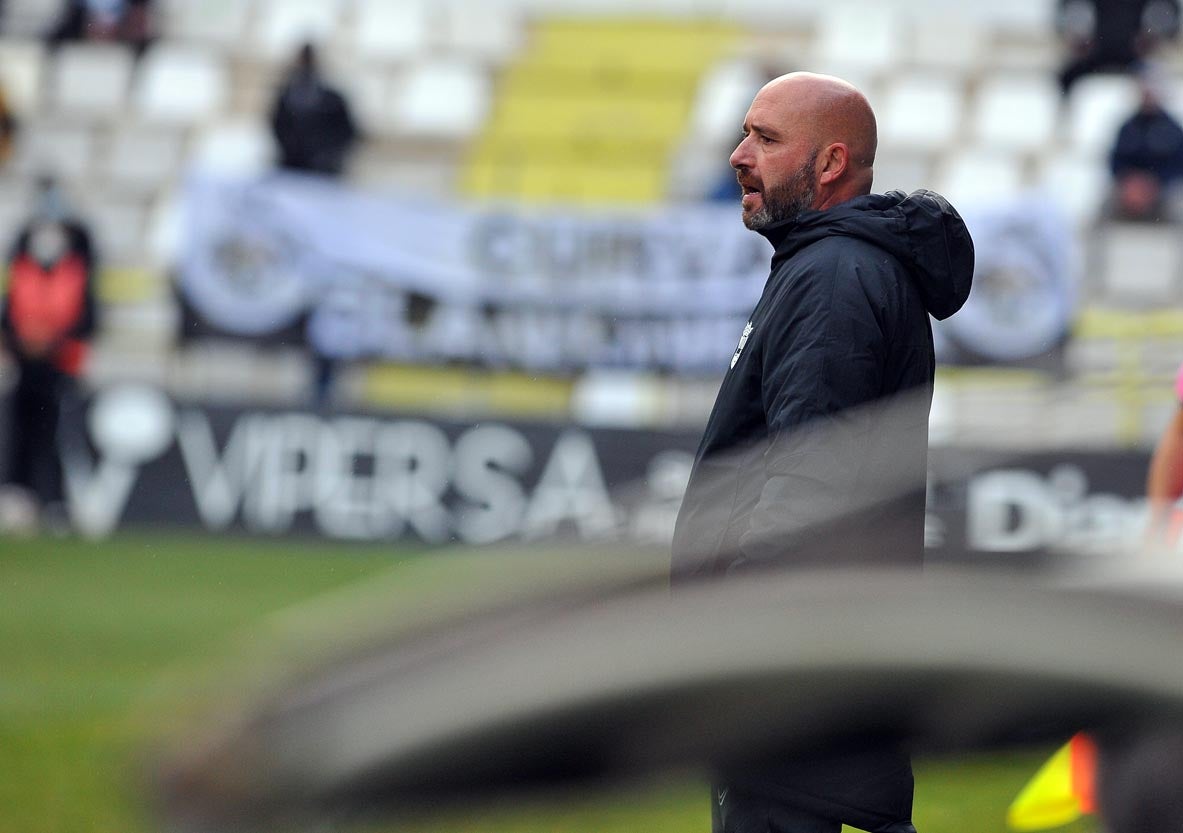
47, 320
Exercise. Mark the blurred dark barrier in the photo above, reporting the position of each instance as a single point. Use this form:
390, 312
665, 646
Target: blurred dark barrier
136, 458
623, 682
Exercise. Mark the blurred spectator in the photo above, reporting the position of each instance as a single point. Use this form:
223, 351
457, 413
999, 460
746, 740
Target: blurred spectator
315, 132
123, 21
1112, 35
1146, 160
47, 320
311, 120
7, 128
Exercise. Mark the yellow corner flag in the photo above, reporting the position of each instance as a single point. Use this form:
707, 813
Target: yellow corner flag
1062, 790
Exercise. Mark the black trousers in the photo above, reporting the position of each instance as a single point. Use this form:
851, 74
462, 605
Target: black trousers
34, 461
736, 811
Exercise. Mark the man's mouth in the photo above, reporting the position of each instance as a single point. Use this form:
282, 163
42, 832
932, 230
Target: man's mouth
751, 196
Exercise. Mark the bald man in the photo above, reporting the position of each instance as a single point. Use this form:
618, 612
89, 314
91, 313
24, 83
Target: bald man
816, 451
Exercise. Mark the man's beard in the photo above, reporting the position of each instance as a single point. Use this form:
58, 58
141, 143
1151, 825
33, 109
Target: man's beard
785, 201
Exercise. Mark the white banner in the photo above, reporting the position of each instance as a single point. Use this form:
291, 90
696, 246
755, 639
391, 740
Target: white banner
405, 279
428, 281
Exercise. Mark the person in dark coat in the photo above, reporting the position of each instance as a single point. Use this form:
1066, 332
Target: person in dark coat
1146, 159
311, 121
816, 450
1112, 35
315, 131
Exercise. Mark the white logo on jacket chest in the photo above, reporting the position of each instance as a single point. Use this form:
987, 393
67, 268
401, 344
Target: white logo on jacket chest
743, 339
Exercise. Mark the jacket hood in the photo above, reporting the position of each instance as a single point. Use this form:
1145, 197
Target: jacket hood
921, 229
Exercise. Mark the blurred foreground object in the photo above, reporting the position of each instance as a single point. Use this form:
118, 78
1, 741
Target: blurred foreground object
625, 680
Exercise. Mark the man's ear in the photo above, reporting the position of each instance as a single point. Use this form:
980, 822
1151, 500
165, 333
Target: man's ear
833, 161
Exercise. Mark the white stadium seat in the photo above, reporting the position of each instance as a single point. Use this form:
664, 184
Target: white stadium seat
241, 147
143, 159
284, 25
901, 172
92, 80
16, 201
723, 98
118, 226
488, 30
1096, 108
442, 98
180, 85
980, 175
22, 67
1016, 112
164, 230
62, 150
370, 94
1078, 183
947, 42
219, 23
392, 32
1139, 263
792, 13
29, 17
860, 34
920, 112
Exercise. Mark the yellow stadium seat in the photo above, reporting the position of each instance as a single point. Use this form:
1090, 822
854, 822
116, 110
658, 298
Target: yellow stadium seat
592, 110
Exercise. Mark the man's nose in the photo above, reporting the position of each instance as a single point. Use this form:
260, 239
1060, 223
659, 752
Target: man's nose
741, 157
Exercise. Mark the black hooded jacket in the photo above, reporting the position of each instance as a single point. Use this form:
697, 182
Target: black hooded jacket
822, 418
816, 450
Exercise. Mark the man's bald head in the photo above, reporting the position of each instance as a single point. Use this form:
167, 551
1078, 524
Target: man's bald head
834, 110
812, 134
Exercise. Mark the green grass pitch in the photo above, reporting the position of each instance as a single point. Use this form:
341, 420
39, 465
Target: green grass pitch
99, 646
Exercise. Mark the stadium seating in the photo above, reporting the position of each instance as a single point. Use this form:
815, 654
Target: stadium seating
140, 160
392, 32
593, 111
218, 23
445, 99
978, 175
1078, 183
180, 85
486, 31
91, 81
861, 35
921, 112
1139, 264
601, 101
722, 100
1016, 112
284, 25
948, 43
68, 151
22, 67
242, 147
1099, 104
